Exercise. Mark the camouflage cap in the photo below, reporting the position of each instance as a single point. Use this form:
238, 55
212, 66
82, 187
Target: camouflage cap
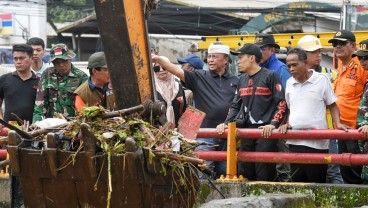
61, 51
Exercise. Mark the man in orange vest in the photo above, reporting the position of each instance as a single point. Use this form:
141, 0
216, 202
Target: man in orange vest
348, 89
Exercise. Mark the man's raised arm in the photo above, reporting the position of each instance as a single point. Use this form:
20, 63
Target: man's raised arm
172, 68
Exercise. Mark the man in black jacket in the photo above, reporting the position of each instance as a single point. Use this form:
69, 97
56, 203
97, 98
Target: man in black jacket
267, 109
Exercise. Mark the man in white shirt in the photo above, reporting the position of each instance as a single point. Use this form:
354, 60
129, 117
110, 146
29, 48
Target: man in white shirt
307, 94
312, 46
38, 45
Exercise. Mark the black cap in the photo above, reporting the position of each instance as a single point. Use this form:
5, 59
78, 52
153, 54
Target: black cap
343, 35
263, 39
363, 49
250, 49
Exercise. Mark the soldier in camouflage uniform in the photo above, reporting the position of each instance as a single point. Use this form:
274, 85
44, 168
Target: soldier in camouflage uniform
362, 119
57, 84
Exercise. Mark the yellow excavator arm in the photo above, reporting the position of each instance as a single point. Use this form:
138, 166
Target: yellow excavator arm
287, 40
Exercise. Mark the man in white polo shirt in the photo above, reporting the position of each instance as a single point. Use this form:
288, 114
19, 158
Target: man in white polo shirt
312, 46
307, 95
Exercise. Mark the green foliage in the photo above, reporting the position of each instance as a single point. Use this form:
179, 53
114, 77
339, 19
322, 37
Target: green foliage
92, 111
80, 2
163, 167
67, 13
151, 155
122, 134
323, 196
204, 191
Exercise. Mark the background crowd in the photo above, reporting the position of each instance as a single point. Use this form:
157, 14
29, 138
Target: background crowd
268, 94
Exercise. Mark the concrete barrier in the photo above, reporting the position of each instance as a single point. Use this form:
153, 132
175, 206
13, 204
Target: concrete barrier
269, 201
323, 194
4, 192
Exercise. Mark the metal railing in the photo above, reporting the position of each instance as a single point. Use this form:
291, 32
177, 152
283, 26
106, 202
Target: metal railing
232, 156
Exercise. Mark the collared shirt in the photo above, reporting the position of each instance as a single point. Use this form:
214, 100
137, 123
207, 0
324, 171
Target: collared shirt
56, 93
348, 88
331, 74
43, 68
18, 95
212, 94
307, 103
93, 87
279, 67
87, 94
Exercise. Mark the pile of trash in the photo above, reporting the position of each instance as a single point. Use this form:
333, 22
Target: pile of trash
118, 135
111, 134
120, 151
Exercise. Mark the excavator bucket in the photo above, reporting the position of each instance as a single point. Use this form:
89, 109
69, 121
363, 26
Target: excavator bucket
55, 178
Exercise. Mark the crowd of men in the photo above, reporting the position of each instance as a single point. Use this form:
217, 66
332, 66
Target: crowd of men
268, 94
35, 91
300, 94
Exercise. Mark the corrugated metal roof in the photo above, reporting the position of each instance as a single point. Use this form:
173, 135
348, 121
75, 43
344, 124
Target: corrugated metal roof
250, 4
195, 17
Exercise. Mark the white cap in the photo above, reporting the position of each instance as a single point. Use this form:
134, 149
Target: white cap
219, 48
309, 43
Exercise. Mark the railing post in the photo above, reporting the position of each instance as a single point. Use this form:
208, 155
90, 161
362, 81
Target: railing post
232, 157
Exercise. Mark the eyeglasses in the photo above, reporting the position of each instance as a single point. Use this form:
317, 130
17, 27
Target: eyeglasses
339, 42
158, 68
363, 58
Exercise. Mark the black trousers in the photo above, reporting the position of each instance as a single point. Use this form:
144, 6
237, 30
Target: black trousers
258, 171
307, 172
350, 174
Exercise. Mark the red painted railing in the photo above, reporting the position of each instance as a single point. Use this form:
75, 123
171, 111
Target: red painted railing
292, 134
3, 153
277, 157
4, 132
346, 159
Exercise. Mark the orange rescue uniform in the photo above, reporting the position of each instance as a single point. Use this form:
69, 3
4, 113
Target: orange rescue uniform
348, 89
